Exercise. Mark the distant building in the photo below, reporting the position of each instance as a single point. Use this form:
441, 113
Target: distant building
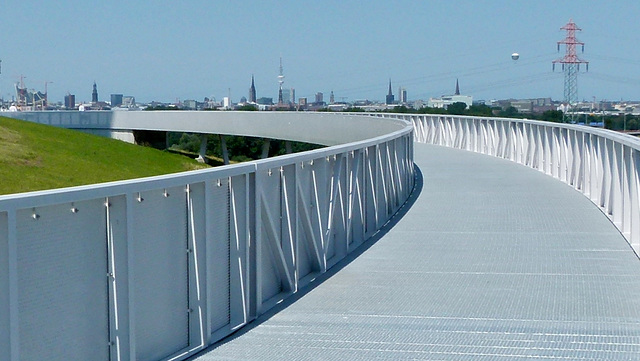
128, 101
286, 96
536, 105
417, 104
190, 104
226, 103
252, 92
446, 100
402, 94
338, 107
302, 102
293, 96
265, 101
523, 106
70, 101
332, 98
319, 98
390, 99
94, 94
116, 100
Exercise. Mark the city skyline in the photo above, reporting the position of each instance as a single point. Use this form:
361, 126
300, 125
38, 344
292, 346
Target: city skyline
342, 47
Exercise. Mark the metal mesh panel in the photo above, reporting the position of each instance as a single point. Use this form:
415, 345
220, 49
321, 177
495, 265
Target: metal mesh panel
219, 253
288, 211
322, 173
356, 197
4, 286
311, 194
332, 206
305, 253
62, 277
271, 188
239, 241
304, 250
160, 274
371, 195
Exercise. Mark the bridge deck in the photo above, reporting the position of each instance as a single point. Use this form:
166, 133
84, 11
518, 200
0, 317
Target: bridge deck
494, 261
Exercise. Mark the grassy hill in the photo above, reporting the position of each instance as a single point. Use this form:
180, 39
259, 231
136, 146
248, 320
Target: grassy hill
36, 157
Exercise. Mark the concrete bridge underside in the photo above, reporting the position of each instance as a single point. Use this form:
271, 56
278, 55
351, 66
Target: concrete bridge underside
493, 261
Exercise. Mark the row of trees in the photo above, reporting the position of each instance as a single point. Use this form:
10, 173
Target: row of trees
240, 148
248, 148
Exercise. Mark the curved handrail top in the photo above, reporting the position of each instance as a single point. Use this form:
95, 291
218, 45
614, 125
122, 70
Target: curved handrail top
317, 127
346, 128
625, 139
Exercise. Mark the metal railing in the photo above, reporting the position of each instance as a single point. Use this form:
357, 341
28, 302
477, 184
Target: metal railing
159, 268
603, 165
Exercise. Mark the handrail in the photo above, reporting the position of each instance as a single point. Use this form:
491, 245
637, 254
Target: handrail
159, 268
601, 164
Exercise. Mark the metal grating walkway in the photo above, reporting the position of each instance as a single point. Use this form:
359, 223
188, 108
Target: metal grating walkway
494, 261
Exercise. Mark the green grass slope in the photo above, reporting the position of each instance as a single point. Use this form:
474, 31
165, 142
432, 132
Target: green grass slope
37, 157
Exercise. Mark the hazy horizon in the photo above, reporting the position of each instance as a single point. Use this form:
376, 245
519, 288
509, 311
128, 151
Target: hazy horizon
196, 49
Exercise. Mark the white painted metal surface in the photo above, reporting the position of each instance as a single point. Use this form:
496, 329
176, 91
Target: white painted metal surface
159, 268
318, 128
602, 164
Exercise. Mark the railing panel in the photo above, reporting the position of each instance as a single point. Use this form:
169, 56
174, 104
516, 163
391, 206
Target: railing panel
272, 270
627, 197
370, 193
219, 253
603, 165
288, 217
197, 215
174, 263
62, 281
160, 274
239, 223
310, 257
337, 206
5, 321
318, 188
355, 215
118, 261
634, 186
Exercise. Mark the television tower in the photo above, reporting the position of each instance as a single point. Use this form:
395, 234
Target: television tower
280, 81
570, 64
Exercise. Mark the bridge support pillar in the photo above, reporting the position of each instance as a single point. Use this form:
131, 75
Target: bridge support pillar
203, 149
265, 149
223, 146
287, 147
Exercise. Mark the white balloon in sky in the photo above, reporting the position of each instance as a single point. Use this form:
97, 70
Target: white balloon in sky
515, 56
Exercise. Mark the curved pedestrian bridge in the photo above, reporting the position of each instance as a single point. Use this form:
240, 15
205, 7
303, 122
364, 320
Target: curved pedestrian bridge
490, 260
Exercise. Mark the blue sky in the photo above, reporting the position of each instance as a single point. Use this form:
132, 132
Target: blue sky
168, 50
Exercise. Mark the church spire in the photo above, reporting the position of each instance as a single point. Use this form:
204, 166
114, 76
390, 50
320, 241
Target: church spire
94, 94
390, 98
252, 91
457, 88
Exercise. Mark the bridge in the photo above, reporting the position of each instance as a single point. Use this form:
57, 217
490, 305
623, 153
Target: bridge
348, 252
